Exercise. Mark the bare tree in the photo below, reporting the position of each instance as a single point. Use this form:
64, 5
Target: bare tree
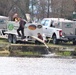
62, 8
42, 8
12, 6
4, 7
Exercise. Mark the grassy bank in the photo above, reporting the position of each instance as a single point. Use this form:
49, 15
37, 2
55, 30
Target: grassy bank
3, 41
17, 49
25, 53
32, 50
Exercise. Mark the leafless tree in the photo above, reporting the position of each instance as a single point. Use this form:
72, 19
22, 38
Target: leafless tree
11, 6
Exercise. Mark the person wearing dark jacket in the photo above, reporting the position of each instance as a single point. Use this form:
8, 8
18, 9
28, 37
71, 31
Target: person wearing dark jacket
21, 28
40, 37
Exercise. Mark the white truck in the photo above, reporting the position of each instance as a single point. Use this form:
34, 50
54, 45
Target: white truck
51, 29
3, 24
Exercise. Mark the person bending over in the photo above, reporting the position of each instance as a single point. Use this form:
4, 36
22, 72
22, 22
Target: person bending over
40, 37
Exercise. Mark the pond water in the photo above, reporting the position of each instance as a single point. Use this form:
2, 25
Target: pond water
37, 66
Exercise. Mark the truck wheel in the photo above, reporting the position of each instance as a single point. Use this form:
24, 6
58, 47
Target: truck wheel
55, 41
14, 40
10, 38
74, 42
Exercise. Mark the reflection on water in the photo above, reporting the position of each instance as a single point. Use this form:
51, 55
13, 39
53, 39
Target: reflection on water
37, 66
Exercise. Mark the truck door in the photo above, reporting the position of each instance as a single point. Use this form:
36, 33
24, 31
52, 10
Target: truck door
46, 27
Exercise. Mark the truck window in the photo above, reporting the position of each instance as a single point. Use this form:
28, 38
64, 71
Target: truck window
1, 21
51, 25
45, 22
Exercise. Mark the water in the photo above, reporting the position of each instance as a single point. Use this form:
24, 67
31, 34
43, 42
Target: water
37, 66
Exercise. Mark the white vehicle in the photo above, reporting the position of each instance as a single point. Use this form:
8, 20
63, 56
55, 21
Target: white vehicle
68, 27
3, 24
50, 31
30, 29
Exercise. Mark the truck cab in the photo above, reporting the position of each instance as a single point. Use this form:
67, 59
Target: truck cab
50, 31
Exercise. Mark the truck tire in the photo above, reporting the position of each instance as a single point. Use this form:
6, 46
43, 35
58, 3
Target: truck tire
10, 38
55, 41
14, 40
74, 42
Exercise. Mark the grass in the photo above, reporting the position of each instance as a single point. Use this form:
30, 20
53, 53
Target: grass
62, 44
28, 53
3, 40
64, 53
4, 53
20, 53
69, 44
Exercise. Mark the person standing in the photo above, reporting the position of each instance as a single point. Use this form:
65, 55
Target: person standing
21, 28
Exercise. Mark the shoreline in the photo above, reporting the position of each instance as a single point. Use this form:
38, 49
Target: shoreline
31, 50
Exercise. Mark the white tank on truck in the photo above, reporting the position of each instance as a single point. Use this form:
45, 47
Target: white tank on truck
30, 29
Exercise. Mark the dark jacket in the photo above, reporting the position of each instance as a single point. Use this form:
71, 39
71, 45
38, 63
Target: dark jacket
22, 23
40, 37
